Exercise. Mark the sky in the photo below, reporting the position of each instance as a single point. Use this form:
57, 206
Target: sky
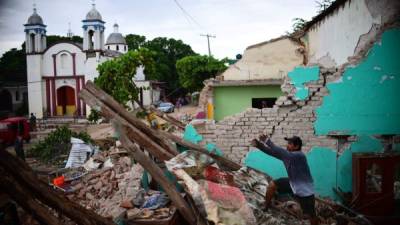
235, 23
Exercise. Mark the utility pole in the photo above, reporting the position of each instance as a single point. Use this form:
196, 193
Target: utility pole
208, 41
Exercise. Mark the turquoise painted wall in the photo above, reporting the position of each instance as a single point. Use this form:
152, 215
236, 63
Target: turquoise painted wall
235, 99
367, 98
300, 76
322, 162
364, 102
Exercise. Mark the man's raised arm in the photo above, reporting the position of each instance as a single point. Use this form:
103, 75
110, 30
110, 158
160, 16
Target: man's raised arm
270, 148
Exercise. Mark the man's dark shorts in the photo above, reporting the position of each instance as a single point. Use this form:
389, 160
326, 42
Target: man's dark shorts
307, 203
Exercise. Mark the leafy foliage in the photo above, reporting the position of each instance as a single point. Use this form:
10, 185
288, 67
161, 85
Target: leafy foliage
135, 41
13, 66
94, 116
298, 24
166, 52
193, 70
57, 143
116, 76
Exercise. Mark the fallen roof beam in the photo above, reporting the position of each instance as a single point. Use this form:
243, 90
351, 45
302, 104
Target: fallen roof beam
135, 134
159, 176
26, 200
121, 111
24, 176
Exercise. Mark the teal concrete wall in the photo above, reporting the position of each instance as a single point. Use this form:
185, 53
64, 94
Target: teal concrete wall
191, 135
258, 160
322, 162
363, 103
235, 99
366, 99
300, 76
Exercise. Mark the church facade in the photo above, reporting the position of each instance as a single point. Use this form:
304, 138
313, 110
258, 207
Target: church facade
57, 73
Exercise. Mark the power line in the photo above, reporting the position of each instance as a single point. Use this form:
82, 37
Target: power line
187, 15
208, 41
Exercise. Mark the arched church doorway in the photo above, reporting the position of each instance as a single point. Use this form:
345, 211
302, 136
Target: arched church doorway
66, 101
5, 101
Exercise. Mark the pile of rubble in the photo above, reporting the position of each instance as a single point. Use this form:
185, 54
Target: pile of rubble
284, 210
112, 189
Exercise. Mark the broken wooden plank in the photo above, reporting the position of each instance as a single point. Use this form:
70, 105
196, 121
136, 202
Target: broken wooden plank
91, 93
135, 134
224, 161
159, 176
25, 177
118, 108
26, 200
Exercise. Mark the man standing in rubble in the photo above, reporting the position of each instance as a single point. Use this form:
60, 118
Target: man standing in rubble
299, 181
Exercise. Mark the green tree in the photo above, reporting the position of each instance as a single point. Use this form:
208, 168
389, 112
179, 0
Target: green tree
116, 76
53, 39
13, 66
193, 70
135, 41
167, 52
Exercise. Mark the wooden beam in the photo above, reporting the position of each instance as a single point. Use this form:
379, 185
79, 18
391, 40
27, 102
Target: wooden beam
224, 161
26, 200
135, 134
25, 177
121, 111
159, 176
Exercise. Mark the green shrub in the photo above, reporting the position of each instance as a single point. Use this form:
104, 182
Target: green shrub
94, 116
57, 143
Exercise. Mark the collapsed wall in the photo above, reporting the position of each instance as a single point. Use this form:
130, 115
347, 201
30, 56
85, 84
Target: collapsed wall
350, 109
366, 59
287, 118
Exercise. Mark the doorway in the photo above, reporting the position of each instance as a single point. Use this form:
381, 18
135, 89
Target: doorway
66, 101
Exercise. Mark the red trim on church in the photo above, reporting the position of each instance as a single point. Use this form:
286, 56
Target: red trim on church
77, 90
84, 105
54, 65
47, 97
73, 64
51, 93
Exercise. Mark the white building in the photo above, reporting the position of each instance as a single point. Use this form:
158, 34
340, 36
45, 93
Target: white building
57, 73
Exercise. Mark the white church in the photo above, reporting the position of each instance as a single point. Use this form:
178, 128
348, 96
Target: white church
57, 73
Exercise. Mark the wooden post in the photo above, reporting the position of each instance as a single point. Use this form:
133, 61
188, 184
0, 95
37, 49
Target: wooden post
135, 134
26, 178
121, 111
159, 176
26, 200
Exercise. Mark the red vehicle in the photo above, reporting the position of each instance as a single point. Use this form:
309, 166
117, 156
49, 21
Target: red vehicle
10, 127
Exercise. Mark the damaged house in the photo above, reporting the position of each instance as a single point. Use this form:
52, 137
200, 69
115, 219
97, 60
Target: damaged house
340, 83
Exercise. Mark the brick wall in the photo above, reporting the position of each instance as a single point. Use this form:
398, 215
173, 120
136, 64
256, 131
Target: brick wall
287, 118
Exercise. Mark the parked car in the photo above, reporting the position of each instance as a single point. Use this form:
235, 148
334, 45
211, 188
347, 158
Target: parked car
166, 107
10, 127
